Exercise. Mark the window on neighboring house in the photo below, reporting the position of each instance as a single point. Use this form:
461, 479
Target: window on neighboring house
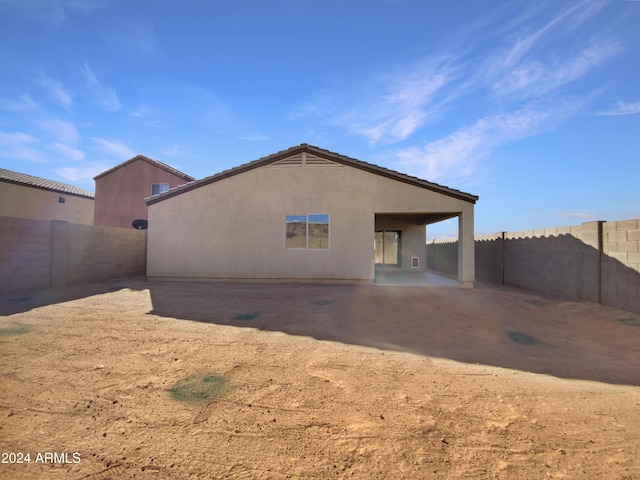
61, 200
307, 231
157, 188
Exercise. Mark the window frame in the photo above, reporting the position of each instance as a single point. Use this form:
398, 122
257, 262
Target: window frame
306, 230
160, 190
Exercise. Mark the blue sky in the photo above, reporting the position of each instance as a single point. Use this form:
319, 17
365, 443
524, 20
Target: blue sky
532, 105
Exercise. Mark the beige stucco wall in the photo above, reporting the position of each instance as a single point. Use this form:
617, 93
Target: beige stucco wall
21, 201
235, 228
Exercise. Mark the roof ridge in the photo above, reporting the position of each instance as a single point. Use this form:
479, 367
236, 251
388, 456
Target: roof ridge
150, 160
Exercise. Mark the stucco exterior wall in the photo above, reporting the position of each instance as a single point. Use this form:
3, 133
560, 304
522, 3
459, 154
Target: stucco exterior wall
235, 228
120, 194
21, 201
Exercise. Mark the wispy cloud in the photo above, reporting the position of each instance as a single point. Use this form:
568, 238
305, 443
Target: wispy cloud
25, 103
22, 146
113, 147
61, 130
577, 215
174, 151
400, 111
46, 134
102, 94
56, 89
534, 77
256, 137
85, 172
147, 116
387, 108
63, 137
524, 70
457, 155
142, 111
525, 38
52, 12
132, 37
623, 108
67, 151
517, 64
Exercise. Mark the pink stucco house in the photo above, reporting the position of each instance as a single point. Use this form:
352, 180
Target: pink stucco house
121, 190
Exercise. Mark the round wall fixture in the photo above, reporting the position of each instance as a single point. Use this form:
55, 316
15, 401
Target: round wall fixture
140, 224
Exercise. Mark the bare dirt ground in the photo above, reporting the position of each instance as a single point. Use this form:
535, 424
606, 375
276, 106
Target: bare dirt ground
316, 382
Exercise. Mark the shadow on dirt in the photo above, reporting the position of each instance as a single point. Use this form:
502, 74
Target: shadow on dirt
488, 325
23, 302
498, 326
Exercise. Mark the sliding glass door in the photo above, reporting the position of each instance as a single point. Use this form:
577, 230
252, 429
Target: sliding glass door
387, 248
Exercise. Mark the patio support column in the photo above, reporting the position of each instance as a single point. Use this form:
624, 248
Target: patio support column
466, 249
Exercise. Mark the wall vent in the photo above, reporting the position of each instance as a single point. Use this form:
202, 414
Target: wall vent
304, 159
415, 262
293, 161
313, 161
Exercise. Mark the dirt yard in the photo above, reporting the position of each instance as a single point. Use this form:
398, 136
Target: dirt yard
129, 379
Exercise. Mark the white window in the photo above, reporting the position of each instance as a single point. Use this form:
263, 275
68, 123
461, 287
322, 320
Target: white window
157, 188
307, 231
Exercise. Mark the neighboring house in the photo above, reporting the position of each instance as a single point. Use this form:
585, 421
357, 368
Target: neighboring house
121, 190
26, 196
303, 214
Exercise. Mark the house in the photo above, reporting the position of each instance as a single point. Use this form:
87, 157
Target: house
121, 190
302, 214
26, 196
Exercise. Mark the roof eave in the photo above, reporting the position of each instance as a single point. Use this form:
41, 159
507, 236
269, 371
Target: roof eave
49, 189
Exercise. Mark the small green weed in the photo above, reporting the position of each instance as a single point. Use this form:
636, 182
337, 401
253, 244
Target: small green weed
523, 338
15, 330
198, 388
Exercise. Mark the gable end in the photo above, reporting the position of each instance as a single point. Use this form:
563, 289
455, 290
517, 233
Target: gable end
306, 155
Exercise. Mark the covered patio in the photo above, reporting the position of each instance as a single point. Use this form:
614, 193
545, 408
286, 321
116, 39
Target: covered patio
413, 279
400, 253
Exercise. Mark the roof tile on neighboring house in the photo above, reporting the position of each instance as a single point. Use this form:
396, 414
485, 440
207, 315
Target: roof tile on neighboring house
43, 183
326, 154
156, 163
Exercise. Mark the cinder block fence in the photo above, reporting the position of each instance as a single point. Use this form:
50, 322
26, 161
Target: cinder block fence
595, 261
37, 254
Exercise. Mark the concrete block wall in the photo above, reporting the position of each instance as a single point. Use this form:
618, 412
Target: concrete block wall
554, 261
621, 264
442, 256
38, 254
25, 254
595, 261
490, 258
98, 252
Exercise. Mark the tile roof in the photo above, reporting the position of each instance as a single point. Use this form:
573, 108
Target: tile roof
326, 154
43, 183
156, 163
